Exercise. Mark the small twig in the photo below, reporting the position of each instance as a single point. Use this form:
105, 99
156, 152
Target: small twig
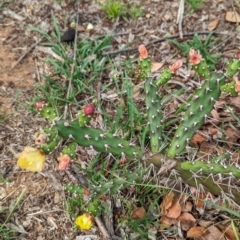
102, 228
180, 18
74, 60
108, 219
48, 50
25, 54
113, 34
38, 74
134, 49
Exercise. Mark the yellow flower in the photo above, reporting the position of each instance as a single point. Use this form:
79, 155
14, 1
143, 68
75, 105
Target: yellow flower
84, 221
31, 159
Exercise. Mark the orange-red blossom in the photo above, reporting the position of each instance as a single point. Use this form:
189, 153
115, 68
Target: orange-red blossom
176, 66
194, 57
143, 52
64, 161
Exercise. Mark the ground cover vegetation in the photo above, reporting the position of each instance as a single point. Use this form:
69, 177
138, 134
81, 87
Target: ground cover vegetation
144, 151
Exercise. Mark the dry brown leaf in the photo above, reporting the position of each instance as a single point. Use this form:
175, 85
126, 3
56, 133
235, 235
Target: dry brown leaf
232, 136
187, 207
200, 195
196, 232
213, 131
167, 222
187, 216
156, 66
197, 138
232, 16
204, 223
228, 231
215, 116
138, 213
166, 203
213, 24
213, 233
235, 101
187, 221
175, 210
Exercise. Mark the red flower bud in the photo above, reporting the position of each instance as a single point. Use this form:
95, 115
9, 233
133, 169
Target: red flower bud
89, 109
39, 105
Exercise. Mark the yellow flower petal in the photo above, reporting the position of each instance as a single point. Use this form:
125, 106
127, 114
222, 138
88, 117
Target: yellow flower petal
84, 221
31, 159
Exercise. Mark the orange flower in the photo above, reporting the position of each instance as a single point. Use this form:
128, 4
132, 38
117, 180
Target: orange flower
176, 66
31, 159
194, 57
64, 161
84, 221
143, 51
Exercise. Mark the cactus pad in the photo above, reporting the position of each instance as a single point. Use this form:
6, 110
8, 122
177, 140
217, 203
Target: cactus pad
153, 104
101, 141
201, 105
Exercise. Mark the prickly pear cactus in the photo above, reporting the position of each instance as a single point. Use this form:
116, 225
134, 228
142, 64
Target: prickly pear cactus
167, 74
93, 206
101, 141
233, 67
153, 105
86, 114
118, 183
74, 189
46, 111
201, 105
222, 182
145, 63
199, 64
211, 168
229, 88
53, 139
70, 150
